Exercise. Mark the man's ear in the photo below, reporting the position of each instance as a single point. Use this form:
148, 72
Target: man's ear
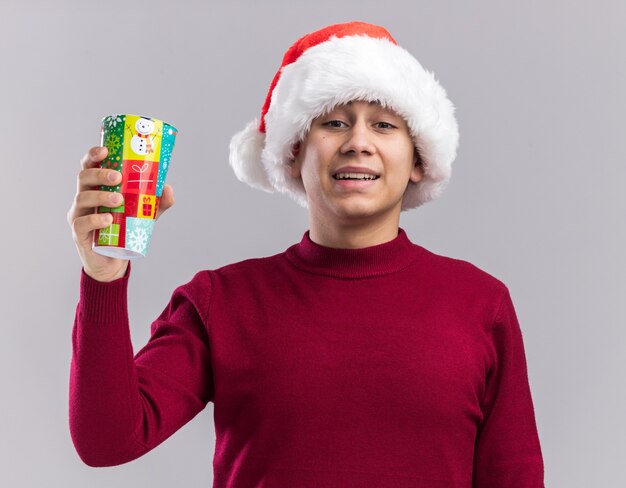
417, 173
294, 164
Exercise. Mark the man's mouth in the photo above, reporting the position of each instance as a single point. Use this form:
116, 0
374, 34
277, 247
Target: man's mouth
354, 176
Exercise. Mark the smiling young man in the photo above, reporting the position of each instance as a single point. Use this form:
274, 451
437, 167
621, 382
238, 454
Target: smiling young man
355, 358
355, 164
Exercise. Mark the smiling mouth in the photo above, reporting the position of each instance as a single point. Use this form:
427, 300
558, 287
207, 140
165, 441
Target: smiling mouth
355, 176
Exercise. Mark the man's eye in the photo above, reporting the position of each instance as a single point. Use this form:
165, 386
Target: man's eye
335, 123
385, 125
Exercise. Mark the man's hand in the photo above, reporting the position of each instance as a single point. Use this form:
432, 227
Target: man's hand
84, 221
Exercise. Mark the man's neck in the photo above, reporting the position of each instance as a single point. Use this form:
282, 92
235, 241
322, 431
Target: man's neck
353, 235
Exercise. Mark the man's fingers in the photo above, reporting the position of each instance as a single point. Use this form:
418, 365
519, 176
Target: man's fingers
167, 200
93, 157
86, 201
89, 196
83, 226
91, 178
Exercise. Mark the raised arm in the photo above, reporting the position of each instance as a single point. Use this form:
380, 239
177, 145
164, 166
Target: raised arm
122, 406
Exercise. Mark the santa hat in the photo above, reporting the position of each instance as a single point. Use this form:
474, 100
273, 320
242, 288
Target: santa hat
332, 66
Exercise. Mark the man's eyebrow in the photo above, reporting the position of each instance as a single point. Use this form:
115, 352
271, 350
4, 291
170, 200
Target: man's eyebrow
371, 102
382, 107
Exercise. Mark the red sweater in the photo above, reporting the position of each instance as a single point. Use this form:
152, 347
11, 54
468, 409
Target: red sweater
388, 366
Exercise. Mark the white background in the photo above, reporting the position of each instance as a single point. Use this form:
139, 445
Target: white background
536, 197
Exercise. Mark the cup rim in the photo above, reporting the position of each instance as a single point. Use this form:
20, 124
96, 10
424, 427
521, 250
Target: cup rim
143, 117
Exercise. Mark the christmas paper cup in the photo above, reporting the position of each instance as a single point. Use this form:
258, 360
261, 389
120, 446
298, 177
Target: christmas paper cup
140, 148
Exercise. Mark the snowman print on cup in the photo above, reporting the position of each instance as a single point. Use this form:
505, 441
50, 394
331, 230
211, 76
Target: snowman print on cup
142, 141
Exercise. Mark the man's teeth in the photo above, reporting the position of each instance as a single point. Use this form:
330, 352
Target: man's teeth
355, 176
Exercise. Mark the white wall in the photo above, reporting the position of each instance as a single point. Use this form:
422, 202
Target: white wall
536, 196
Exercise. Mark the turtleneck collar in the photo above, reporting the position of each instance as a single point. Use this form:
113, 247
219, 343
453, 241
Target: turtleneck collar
366, 262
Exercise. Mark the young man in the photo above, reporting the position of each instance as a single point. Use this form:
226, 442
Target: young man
355, 358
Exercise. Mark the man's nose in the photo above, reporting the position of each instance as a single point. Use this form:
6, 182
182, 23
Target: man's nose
358, 139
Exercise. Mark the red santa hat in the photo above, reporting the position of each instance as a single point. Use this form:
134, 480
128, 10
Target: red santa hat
332, 66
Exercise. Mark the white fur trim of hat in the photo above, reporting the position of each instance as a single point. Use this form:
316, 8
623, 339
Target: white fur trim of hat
333, 66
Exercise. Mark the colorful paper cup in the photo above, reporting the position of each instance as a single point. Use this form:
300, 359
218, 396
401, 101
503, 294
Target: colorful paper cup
140, 148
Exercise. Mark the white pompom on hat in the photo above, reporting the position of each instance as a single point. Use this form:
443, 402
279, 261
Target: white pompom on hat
330, 67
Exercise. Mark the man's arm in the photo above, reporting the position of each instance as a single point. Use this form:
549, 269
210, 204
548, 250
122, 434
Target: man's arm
507, 452
123, 406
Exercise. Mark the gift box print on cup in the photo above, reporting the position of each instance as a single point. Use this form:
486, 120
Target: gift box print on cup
140, 148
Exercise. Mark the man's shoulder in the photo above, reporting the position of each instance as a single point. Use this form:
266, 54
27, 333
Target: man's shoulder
456, 270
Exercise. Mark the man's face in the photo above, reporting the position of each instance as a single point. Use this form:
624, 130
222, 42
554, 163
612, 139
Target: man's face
355, 164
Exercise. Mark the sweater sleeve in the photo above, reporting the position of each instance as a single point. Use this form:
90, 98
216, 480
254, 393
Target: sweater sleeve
122, 406
507, 452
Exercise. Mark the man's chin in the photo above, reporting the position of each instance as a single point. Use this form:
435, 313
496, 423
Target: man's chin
360, 212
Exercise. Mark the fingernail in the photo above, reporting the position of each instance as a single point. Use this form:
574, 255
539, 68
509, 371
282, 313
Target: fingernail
107, 218
116, 198
112, 176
